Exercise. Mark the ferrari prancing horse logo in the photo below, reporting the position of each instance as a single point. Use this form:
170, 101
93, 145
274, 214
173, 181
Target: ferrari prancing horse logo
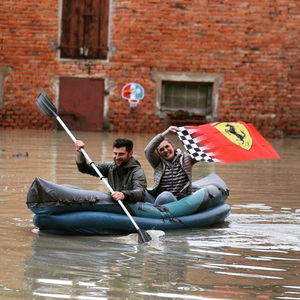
236, 133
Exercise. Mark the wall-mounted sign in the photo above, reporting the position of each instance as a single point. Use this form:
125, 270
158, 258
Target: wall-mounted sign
133, 93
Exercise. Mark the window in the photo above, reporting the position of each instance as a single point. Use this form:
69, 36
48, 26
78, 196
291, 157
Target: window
84, 29
186, 97
195, 96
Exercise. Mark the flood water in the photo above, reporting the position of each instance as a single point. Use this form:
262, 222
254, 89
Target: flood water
255, 254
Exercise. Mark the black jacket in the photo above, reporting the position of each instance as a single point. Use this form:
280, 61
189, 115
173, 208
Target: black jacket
129, 179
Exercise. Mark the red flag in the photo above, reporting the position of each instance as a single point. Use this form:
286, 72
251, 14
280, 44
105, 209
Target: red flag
225, 142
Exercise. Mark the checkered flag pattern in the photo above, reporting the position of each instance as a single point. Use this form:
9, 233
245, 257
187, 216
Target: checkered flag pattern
192, 148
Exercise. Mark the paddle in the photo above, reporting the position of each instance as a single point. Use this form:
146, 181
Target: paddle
47, 107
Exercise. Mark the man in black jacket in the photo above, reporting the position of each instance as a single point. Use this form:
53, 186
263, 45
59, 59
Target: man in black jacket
125, 174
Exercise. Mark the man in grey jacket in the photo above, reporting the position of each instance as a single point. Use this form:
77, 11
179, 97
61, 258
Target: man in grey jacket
172, 170
125, 174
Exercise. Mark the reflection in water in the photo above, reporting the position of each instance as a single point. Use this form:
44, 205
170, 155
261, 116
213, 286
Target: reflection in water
186, 265
90, 267
254, 254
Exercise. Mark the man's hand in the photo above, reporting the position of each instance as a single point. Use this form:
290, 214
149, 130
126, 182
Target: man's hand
170, 129
79, 145
118, 196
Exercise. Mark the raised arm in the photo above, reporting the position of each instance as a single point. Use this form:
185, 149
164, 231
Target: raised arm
150, 150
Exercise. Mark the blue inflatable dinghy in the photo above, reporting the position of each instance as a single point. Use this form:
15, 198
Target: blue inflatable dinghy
69, 210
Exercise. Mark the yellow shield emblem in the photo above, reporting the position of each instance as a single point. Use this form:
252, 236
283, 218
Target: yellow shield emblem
237, 133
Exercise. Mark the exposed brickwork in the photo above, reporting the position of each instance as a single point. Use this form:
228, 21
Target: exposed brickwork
255, 44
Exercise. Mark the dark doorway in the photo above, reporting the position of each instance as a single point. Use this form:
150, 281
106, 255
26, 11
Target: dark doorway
81, 103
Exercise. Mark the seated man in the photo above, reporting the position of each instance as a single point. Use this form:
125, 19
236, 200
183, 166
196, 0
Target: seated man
125, 174
172, 170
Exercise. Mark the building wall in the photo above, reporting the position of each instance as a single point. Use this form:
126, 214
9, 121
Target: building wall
253, 45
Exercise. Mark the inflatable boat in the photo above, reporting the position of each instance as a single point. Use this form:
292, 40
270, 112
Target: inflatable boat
70, 210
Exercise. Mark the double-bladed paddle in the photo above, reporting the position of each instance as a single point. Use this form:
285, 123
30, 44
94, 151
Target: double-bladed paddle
47, 107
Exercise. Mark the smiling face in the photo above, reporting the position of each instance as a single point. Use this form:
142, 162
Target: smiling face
121, 156
166, 150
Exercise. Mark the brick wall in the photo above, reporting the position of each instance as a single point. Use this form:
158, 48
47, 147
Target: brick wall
254, 44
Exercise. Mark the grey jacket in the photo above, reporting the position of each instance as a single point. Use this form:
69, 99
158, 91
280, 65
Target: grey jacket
129, 179
158, 163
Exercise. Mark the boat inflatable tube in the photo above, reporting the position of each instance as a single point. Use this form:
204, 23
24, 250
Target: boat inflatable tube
100, 223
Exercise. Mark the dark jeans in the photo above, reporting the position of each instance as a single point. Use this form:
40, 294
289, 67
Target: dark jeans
162, 198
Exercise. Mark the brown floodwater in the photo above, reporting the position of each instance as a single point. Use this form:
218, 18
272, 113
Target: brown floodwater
255, 254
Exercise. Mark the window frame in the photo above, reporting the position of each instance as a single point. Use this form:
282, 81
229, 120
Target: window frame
4, 72
86, 45
216, 79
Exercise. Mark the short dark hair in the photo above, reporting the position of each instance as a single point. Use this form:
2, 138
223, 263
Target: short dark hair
169, 141
123, 142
